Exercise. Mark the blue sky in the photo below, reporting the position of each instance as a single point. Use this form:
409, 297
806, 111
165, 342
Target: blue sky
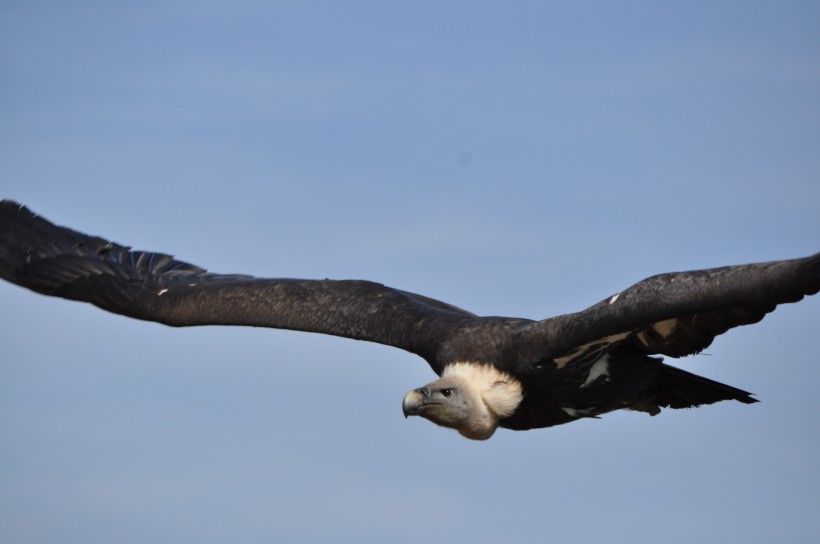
524, 160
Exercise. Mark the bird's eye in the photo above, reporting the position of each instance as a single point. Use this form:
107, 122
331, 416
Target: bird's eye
446, 392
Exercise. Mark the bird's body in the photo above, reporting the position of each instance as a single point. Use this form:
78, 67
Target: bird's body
495, 371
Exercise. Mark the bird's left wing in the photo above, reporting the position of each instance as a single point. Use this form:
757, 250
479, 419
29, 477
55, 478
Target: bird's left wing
61, 262
680, 313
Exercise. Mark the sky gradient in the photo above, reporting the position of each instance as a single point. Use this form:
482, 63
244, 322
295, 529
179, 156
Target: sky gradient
526, 160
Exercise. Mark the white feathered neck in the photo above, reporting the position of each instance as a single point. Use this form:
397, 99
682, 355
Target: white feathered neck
500, 392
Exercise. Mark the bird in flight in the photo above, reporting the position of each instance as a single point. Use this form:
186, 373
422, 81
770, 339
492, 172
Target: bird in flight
493, 371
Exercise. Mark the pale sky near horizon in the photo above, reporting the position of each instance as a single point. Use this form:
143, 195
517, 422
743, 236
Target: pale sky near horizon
526, 160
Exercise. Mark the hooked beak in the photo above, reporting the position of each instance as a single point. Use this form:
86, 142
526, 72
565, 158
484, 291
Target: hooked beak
413, 401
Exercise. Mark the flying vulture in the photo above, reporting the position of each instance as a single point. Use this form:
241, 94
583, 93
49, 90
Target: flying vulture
494, 371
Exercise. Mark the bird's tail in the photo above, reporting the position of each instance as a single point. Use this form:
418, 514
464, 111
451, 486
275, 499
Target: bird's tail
677, 388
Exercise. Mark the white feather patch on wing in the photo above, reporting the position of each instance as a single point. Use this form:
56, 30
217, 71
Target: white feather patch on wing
665, 327
598, 369
500, 392
561, 362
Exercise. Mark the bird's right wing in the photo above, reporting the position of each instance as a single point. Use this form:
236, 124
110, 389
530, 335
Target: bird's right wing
61, 262
680, 313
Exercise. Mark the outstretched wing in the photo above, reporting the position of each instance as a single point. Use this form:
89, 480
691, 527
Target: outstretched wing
681, 313
58, 261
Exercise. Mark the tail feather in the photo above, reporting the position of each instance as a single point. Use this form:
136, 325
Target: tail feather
680, 389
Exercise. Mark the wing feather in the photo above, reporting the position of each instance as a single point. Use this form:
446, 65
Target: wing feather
58, 261
680, 314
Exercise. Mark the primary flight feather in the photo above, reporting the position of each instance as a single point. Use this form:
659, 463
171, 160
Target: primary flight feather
494, 371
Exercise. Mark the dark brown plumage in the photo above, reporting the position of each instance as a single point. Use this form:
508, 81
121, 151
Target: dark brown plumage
570, 366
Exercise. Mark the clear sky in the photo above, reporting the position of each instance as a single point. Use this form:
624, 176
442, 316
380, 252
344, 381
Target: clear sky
525, 159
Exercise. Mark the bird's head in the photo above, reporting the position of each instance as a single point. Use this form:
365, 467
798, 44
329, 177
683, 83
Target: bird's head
469, 397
